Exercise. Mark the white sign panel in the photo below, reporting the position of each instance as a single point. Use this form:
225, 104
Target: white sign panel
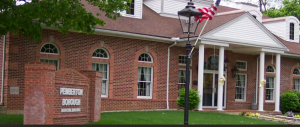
14, 90
70, 110
69, 91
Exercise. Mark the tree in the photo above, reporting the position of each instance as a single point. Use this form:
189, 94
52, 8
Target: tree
63, 14
290, 8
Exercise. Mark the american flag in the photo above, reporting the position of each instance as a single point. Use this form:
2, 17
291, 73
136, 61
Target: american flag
207, 13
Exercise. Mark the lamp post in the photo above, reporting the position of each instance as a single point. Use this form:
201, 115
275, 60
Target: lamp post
188, 26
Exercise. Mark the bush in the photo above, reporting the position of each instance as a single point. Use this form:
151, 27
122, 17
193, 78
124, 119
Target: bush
288, 101
193, 98
298, 94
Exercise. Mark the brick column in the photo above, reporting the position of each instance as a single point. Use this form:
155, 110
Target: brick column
39, 93
95, 87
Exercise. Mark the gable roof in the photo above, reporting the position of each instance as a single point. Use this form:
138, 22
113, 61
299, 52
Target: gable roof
245, 30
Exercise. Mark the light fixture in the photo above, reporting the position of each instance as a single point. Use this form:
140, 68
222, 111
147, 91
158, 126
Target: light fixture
226, 62
234, 71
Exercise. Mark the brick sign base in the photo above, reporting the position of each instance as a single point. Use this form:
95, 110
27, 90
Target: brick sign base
61, 97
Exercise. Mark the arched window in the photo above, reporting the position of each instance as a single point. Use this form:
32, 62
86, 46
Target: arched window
145, 57
49, 49
270, 69
212, 63
100, 53
103, 67
296, 71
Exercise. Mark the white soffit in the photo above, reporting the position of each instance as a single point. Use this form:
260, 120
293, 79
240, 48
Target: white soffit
245, 30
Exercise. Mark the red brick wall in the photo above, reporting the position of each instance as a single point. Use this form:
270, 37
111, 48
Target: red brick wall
38, 96
76, 50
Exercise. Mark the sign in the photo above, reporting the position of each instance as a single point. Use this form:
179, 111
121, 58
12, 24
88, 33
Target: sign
71, 102
14, 90
69, 91
70, 110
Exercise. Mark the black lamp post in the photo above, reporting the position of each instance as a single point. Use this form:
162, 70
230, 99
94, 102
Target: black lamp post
189, 25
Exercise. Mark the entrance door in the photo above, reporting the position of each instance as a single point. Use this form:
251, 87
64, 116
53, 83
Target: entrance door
210, 90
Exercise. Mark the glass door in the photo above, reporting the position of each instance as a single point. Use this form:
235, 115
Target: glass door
210, 90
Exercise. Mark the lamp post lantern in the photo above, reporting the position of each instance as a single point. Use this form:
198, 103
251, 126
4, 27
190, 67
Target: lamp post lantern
188, 26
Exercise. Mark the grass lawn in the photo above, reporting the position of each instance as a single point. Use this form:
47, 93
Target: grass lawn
175, 118
11, 119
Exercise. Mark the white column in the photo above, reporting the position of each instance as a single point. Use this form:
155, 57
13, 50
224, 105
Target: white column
261, 77
200, 74
277, 82
221, 70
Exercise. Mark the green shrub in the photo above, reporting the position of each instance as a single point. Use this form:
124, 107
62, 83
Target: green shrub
288, 101
298, 94
193, 98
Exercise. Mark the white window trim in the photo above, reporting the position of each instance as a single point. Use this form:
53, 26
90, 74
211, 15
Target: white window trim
190, 77
151, 85
273, 69
107, 78
293, 81
181, 64
58, 51
245, 92
101, 57
241, 69
146, 61
273, 90
58, 61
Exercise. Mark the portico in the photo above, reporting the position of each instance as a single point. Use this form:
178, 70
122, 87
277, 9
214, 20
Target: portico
232, 38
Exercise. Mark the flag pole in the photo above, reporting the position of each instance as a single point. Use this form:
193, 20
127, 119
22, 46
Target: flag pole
198, 37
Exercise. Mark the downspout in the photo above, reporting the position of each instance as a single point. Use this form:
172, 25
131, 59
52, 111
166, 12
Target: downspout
162, 6
256, 80
3, 64
168, 68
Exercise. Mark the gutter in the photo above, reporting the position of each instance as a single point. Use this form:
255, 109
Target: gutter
3, 64
168, 70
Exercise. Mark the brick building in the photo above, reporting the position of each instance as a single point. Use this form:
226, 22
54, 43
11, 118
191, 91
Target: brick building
142, 59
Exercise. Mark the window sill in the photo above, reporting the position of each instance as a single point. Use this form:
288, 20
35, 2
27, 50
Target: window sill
104, 96
239, 100
266, 101
143, 97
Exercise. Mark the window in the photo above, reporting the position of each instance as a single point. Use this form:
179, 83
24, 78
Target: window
52, 49
270, 89
296, 71
182, 79
296, 84
130, 8
100, 53
50, 61
144, 89
182, 60
292, 31
240, 88
212, 63
241, 65
49, 49
254, 16
144, 57
102, 67
270, 69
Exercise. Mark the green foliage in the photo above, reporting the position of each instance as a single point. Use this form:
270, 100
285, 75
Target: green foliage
298, 94
63, 14
288, 101
290, 8
193, 98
